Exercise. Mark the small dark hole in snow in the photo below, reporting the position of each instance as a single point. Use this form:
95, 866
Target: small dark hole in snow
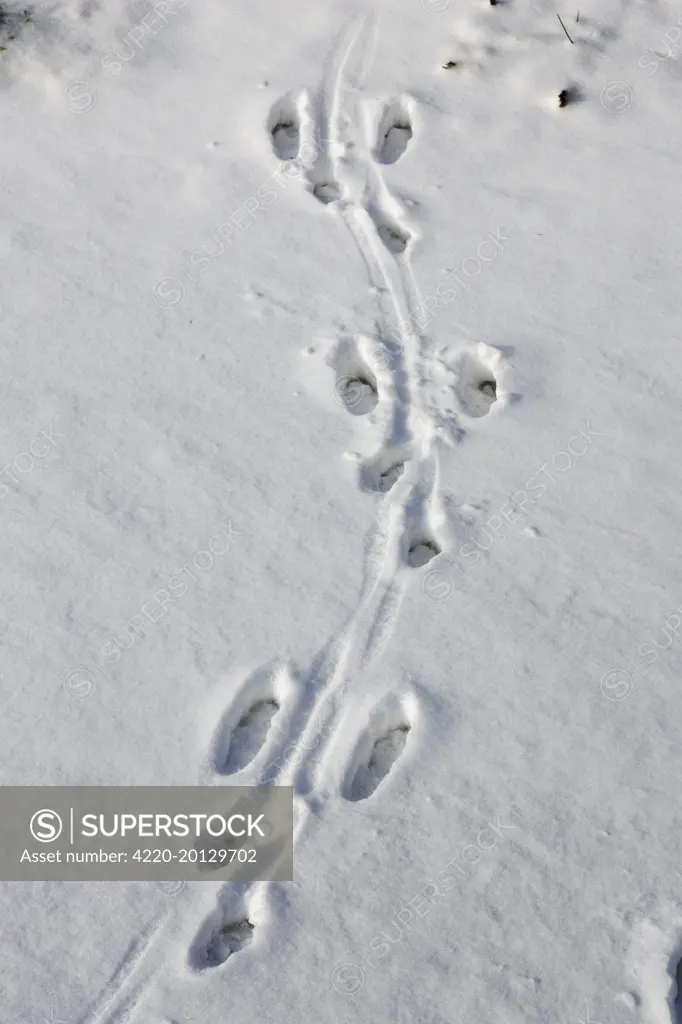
568, 96
229, 939
422, 551
489, 388
393, 238
327, 192
390, 476
358, 393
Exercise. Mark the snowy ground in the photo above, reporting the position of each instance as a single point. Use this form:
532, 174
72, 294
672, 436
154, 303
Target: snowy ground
340, 429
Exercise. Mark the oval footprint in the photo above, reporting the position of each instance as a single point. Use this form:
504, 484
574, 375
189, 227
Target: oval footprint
226, 931
284, 126
245, 727
395, 132
236, 748
384, 750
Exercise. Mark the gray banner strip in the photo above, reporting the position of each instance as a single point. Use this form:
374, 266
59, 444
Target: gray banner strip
146, 833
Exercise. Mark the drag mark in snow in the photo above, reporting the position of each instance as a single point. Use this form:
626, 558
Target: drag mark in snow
130, 978
341, 166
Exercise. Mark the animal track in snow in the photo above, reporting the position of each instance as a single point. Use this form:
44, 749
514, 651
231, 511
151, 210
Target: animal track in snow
244, 728
284, 125
395, 236
395, 132
231, 937
358, 392
390, 476
384, 470
228, 929
421, 551
356, 386
248, 736
380, 747
677, 1001
476, 385
395, 239
327, 192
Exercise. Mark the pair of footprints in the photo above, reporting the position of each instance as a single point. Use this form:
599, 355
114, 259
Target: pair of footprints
294, 138
250, 735
358, 388
237, 746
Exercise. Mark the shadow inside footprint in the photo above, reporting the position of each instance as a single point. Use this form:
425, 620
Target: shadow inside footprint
421, 551
327, 192
358, 392
383, 471
239, 749
285, 130
230, 938
677, 1002
395, 143
476, 386
385, 752
390, 476
394, 238
395, 132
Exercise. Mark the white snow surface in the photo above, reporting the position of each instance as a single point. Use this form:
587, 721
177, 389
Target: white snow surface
345, 385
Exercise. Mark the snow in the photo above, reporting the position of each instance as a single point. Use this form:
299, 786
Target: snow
264, 518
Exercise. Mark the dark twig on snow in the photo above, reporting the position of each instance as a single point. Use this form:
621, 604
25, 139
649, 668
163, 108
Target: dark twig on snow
564, 28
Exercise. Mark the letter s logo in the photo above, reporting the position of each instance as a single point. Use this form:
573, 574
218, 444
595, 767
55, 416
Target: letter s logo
46, 826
